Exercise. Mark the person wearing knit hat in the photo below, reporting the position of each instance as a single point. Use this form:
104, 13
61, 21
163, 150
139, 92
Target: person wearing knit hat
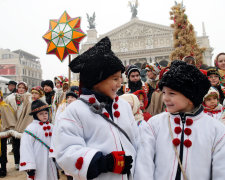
36, 143
153, 71
215, 80
142, 97
21, 104
157, 105
184, 142
134, 81
62, 86
48, 86
37, 92
98, 128
211, 104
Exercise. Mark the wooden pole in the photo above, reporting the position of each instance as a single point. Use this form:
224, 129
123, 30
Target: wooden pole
69, 71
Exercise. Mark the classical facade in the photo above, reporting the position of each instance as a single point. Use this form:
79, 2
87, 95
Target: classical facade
20, 66
138, 41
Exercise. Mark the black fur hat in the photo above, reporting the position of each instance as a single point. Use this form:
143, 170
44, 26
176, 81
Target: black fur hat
38, 106
47, 83
186, 79
96, 64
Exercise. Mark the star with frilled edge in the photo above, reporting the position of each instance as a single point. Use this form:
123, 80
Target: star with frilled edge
64, 36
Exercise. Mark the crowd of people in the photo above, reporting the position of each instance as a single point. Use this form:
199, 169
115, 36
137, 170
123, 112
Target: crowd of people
158, 122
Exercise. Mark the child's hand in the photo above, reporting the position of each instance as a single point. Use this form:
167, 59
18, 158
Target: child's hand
118, 162
31, 173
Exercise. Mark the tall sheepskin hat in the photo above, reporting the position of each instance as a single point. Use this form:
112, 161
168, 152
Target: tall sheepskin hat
186, 79
96, 64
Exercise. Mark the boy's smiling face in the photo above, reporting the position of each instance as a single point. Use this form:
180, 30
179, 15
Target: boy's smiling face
175, 101
109, 86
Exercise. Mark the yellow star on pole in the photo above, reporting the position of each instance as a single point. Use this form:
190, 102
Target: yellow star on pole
64, 36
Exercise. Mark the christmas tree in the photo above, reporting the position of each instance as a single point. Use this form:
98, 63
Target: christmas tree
184, 36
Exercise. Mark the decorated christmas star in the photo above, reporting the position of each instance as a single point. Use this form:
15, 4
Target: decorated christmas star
64, 36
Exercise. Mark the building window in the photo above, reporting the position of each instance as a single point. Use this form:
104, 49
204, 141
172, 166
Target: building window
5, 56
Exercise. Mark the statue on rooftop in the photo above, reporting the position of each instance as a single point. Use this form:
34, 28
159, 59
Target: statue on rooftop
91, 21
133, 8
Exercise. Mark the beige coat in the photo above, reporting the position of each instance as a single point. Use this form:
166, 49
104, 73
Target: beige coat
23, 119
8, 120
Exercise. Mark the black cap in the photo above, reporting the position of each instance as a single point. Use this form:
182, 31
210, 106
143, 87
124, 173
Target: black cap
12, 82
96, 64
130, 69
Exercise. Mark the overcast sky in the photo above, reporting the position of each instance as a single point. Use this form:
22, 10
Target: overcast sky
24, 22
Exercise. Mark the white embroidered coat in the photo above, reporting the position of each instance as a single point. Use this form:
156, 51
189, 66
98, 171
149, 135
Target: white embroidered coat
156, 159
34, 155
81, 133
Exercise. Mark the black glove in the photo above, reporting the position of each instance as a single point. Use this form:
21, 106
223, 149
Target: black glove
103, 164
31, 173
118, 162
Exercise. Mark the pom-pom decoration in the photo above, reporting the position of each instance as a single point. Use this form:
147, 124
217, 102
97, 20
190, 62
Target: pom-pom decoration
79, 163
176, 141
177, 120
41, 123
91, 100
177, 130
51, 150
115, 106
187, 131
106, 114
189, 122
187, 143
117, 114
64, 36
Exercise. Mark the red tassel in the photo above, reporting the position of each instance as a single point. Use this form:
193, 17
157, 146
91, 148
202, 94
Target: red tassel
44, 128
187, 131
189, 122
176, 141
106, 114
46, 134
177, 130
117, 98
50, 133
177, 120
48, 127
187, 143
117, 114
115, 106
79, 163
47, 122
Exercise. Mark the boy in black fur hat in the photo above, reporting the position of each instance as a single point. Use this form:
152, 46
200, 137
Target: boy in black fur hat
35, 145
48, 86
97, 132
184, 142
